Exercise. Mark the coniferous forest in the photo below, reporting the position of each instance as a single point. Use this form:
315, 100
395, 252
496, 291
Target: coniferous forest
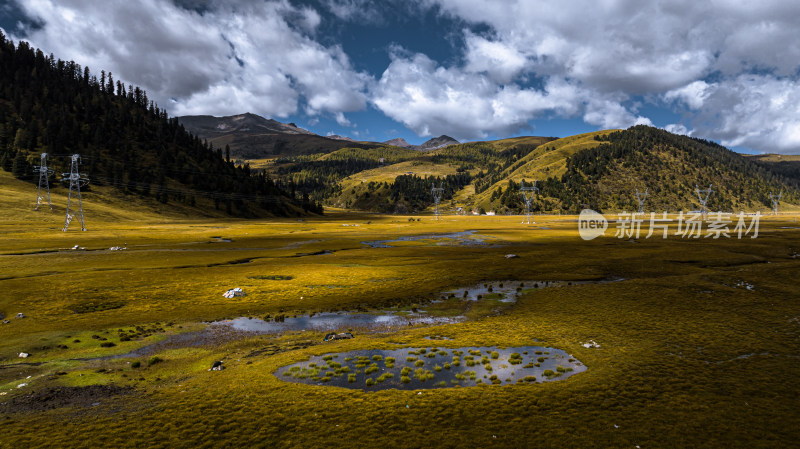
125, 140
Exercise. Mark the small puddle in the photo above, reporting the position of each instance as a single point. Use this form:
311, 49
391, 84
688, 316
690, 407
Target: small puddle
464, 238
429, 368
323, 252
507, 291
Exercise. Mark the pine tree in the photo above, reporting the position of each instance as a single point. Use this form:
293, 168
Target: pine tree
21, 169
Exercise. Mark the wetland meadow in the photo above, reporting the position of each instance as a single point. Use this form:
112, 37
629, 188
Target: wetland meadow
604, 343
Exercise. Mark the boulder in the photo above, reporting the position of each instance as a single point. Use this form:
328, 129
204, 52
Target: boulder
512, 256
217, 366
339, 336
591, 344
20, 315
234, 292
24, 355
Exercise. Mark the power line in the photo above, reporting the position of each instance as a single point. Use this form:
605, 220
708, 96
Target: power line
641, 197
528, 194
437, 193
75, 181
776, 201
44, 173
702, 195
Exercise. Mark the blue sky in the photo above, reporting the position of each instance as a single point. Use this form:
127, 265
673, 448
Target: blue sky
725, 70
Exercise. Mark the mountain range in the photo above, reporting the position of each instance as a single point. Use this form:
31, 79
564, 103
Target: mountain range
432, 144
246, 165
250, 136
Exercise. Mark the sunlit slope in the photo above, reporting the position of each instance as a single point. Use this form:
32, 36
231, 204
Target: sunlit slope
473, 158
505, 144
547, 160
670, 167
100, 204
389, 154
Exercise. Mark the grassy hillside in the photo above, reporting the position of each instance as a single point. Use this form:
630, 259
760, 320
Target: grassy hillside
670, 166
546, 161
362, 178
601, 170
100, 204
785, 164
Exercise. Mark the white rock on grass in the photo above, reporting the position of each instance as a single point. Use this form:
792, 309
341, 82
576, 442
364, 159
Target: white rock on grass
234, 292
24, 355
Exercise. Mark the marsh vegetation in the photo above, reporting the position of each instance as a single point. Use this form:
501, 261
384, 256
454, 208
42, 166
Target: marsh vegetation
683, 350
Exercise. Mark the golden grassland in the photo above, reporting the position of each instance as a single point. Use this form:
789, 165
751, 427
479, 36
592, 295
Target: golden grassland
700, 343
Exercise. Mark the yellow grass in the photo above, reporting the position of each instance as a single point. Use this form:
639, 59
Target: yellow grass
689, 356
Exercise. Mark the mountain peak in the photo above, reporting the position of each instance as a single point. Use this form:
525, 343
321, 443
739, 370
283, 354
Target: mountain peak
438, 142
398, 142
247, 122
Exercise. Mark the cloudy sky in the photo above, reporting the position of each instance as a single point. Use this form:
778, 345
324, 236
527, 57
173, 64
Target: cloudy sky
725, 70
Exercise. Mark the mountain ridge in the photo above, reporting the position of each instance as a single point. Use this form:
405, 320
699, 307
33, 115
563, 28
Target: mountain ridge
431, 144
250, 136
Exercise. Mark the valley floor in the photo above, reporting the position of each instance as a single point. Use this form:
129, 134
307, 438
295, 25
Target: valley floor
698, 340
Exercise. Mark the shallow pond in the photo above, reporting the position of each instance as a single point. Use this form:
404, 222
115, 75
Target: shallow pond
465, 238
328, 321
505, 291
433, 367
379, 321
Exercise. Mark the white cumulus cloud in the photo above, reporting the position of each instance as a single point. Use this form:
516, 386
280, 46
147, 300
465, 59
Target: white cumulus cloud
431, 99
232, 57
753, 111
621, 49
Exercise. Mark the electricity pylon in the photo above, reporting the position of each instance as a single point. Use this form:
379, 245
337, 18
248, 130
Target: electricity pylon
437, 192
44, 173
776, 201
702, 195
75, 182
528, 194
641, 197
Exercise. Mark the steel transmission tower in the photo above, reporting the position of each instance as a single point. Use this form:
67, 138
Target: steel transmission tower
75, 182
702, 195
776, 201
44, 174
437, 192
528, 194
641, 197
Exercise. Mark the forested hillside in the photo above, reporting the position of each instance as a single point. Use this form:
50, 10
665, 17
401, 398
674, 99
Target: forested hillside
670, 166
125, 140
601, 170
